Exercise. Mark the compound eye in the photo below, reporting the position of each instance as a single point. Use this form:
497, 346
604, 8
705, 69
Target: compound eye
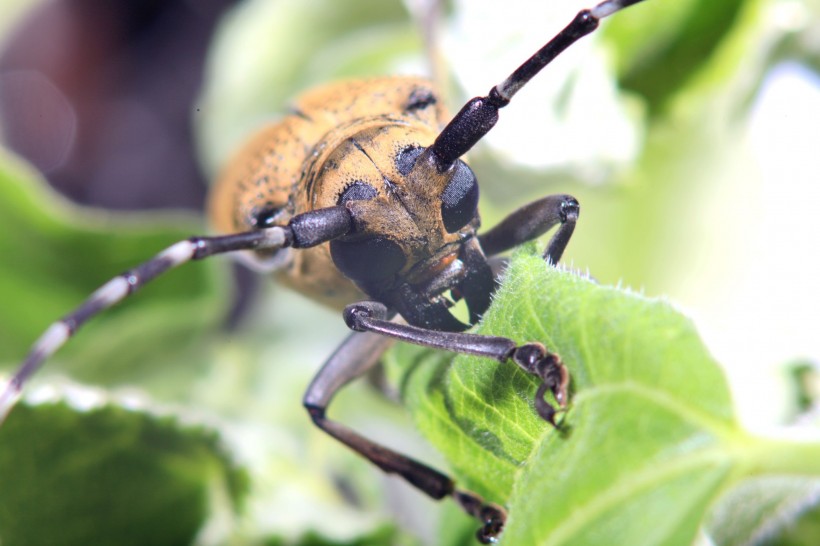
368, 259
459, 201
357, 191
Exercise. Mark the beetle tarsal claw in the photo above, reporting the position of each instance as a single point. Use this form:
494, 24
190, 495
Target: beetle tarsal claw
494, 518
491, 515
555, 376
535, 359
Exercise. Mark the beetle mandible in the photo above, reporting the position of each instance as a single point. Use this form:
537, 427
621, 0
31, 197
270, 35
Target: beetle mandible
358, 195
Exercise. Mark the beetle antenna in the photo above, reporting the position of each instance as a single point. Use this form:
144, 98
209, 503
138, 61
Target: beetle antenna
480, 114
123, 286
303, 230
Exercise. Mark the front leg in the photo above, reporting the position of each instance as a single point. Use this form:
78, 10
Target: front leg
533, 358
532, 221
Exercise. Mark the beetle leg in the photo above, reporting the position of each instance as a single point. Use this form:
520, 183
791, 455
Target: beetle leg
532, 221
354, 357
303, 230
533, 358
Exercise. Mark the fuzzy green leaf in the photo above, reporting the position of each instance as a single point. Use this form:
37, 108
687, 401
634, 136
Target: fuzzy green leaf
651, 440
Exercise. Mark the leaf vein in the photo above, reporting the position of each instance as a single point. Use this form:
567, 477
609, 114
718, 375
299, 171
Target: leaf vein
686, 411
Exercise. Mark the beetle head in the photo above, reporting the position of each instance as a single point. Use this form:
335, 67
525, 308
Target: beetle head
410, 220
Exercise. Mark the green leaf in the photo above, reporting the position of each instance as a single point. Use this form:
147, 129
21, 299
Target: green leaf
109, 475
764, 510
663, 45
650, 432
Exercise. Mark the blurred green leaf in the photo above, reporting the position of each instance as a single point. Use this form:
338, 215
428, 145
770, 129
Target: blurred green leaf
266, 53
109, 476
651, 430
780, 510
663, 44
803, 532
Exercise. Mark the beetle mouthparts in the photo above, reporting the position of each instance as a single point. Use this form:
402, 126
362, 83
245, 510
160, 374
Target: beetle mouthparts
439, 276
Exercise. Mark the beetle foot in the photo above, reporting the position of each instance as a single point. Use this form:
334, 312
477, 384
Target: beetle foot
491, 515
535, 359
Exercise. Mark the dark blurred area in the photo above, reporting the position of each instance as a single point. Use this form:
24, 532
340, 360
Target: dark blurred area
99, 94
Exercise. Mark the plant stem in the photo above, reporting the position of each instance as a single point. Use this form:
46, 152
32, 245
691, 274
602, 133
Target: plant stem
783, 456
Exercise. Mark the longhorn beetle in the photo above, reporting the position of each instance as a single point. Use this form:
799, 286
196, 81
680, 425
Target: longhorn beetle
361, 180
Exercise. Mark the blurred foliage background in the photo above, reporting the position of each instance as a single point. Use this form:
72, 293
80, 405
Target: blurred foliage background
688, 130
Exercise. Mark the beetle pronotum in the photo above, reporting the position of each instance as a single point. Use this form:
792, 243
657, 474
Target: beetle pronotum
362, 179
